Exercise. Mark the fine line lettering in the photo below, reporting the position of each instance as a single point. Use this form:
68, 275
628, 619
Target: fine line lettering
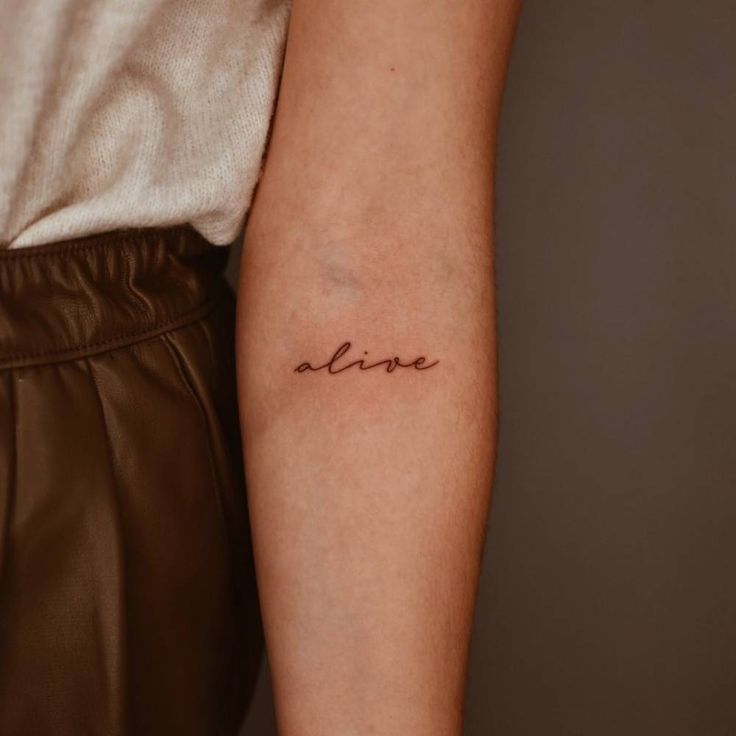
390, 364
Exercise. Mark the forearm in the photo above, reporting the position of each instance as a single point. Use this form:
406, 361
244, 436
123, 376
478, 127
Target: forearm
369, 485
368, 495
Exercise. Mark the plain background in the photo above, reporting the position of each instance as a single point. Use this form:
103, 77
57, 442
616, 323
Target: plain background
608, 594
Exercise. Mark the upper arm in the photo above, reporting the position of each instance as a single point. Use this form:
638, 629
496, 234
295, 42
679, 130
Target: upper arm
387, 108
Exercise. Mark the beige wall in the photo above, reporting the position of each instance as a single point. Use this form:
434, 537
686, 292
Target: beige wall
608, 602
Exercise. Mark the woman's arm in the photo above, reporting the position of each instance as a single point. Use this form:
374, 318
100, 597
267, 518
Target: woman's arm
369, 486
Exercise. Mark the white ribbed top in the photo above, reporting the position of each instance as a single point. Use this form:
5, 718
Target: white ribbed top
133, 113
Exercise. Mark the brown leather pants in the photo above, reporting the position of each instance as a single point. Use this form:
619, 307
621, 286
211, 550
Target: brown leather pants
127, 596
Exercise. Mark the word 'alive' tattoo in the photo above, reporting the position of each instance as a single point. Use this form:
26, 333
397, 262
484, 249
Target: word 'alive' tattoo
390, 364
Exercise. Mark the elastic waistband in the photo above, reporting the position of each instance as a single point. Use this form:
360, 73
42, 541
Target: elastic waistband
78, 297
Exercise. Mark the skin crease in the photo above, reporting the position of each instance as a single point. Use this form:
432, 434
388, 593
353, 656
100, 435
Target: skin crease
369, 493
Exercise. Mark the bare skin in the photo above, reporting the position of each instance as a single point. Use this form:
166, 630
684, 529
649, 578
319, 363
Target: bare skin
369, 487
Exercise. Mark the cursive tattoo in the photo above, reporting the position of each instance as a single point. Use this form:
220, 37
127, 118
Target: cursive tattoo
390, 364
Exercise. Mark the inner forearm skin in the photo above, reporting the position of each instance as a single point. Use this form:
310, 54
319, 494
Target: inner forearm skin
369, 466
368, 493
